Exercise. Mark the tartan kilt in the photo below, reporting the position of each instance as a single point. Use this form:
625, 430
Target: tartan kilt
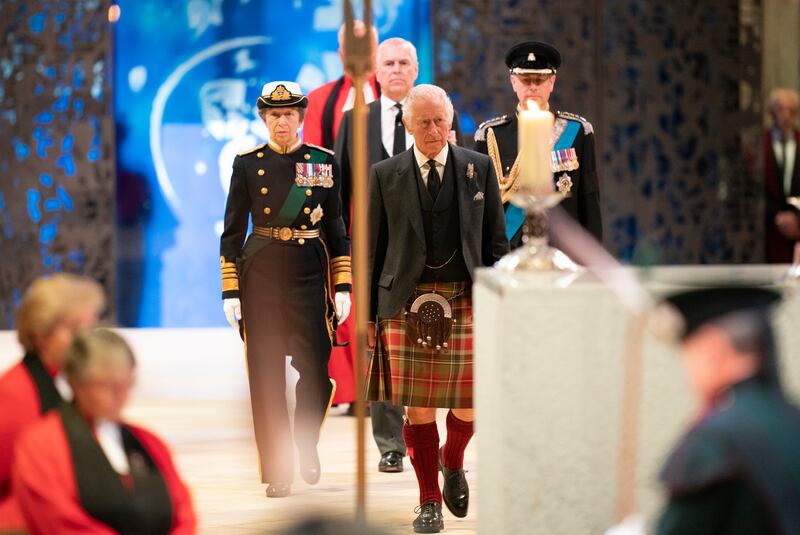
408, 374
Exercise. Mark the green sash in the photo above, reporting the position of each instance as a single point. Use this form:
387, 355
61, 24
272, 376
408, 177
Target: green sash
296, 198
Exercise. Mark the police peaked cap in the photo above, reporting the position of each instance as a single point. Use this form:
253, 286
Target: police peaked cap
533, 57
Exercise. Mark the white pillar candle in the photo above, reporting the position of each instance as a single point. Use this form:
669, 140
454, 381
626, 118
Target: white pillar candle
535, 130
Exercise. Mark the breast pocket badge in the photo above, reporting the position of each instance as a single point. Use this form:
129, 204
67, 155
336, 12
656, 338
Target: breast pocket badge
314, 174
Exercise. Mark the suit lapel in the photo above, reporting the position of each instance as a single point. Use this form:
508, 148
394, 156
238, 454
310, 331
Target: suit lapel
463, 193
407, 191
375, 135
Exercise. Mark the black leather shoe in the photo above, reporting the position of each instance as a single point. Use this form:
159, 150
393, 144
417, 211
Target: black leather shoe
430, 518
309, 467
278, 490
455, 490
391, 461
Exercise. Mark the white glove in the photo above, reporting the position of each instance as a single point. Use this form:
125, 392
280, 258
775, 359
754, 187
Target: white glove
233, 311
632, 525
342, 300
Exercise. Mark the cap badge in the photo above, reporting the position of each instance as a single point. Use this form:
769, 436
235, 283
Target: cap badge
531, 56
280, 93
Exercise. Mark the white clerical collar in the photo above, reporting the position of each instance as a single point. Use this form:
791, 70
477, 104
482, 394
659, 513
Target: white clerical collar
63, 387
109, 436
389, 104
440, 158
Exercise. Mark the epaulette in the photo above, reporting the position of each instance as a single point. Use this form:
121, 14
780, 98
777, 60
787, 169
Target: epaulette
587, 126
480, 133
248, 151
323, 149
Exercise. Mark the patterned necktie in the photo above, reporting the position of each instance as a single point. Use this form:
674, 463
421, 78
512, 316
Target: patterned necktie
399, 144
434, 183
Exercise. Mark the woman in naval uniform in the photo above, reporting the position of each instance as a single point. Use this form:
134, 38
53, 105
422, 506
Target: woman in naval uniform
285, 288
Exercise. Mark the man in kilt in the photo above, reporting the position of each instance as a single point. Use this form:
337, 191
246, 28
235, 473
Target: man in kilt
435, 216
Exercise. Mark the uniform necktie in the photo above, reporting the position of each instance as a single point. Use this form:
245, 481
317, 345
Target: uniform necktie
782, 168
433, 180
399, 144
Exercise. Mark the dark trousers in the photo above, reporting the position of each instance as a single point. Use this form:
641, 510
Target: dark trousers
283, 306
387, 426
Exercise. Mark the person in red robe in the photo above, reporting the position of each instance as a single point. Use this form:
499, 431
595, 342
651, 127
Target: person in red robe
326, 107
328, 102
782, 177
51, 312
82, 470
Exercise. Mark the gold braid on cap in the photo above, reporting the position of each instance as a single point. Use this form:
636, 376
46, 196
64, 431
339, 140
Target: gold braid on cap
508, 184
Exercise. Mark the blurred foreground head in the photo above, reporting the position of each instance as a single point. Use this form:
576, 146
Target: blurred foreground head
726, 337
100, 369
52, 311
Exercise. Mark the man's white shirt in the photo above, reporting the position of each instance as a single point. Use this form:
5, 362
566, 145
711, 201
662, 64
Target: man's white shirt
422, 162
388, 115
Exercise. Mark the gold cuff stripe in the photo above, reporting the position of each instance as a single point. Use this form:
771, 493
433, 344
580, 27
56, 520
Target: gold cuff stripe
340, 258
342, 278
230, 284
226, 277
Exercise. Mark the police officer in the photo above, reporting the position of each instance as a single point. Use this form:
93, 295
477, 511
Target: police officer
293, 287
737, 469
532, 66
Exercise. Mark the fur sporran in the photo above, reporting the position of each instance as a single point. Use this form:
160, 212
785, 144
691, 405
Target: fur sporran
429, 321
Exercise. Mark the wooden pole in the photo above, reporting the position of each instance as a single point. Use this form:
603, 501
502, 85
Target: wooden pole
360, 280
358, 65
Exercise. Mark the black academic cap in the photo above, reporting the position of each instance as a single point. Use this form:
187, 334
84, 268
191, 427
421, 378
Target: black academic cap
533, 57
703, 305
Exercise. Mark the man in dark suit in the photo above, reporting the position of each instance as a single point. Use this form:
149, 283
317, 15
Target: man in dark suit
435, 216
532, 71
397, 69
782, 177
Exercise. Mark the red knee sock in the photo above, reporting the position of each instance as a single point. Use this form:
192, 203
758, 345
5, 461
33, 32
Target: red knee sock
459, 433
422, 442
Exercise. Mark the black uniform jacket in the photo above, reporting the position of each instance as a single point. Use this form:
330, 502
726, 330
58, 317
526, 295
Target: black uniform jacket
397, 248
738, 470
376, 152
583, 202
261, 182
